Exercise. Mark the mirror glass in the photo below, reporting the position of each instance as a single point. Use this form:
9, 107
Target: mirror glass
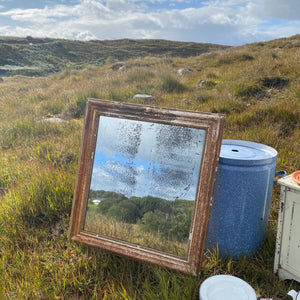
143, 183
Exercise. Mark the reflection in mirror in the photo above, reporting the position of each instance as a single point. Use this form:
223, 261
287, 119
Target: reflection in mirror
144, 182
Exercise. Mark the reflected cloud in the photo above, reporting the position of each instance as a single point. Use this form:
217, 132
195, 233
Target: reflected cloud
141, 158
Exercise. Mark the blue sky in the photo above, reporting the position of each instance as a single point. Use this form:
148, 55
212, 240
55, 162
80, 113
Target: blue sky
228, 22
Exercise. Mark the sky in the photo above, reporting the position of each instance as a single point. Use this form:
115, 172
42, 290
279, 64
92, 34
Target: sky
226, 22
139, 159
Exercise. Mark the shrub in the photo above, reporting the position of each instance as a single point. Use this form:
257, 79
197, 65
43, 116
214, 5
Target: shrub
274, 82
118, 95
77, 109
227, 107
139, 76
254, 89
203, 97
170, 84
245, 57
209, 84
247, 90
125, 211
229, 59
281, 116
212, 76
52, 107
110, 60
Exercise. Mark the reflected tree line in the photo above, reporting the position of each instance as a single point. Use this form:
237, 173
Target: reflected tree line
170, 219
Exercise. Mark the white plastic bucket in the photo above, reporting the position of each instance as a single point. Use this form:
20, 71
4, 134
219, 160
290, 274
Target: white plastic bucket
226, 287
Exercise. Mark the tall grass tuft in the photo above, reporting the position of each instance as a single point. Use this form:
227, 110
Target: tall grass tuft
140, 75
76, 109
247, 90
46, 199
28, 130
169, 84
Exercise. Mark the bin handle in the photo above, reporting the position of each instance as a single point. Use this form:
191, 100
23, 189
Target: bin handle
278, 175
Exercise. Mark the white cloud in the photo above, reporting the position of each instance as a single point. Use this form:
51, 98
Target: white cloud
91, 9
216, 21
123, 5
282, 9
87, 8
85, 36
139, 158
280, 30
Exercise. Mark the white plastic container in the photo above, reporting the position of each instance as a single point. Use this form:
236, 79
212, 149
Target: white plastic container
226, 287
287, 255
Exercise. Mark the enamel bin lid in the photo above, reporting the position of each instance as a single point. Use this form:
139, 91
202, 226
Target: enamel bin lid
244, 153
226, 287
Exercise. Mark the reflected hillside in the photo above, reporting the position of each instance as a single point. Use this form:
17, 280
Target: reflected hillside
149, 221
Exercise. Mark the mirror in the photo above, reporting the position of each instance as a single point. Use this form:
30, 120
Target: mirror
145, 182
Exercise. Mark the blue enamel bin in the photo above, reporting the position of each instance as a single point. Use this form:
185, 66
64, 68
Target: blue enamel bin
242, 198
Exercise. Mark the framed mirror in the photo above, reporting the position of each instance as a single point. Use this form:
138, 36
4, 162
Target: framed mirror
145, 182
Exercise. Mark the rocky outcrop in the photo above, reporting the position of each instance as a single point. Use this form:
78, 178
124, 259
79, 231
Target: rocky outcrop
184, 71
118, 66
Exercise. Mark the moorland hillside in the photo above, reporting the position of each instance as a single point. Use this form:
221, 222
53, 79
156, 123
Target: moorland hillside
41, 56
41, 120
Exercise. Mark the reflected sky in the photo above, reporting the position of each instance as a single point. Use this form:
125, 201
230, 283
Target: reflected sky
141, 158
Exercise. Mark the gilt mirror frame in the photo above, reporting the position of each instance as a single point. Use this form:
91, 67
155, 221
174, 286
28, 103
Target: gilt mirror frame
212, 124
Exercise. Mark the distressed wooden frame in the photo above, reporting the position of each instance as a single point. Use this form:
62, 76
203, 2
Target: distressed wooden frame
213, 125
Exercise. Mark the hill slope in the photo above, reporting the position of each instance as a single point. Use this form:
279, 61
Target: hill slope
41, 56
256, 86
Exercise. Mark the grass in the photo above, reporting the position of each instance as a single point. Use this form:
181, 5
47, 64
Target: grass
133, 233
38, 165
